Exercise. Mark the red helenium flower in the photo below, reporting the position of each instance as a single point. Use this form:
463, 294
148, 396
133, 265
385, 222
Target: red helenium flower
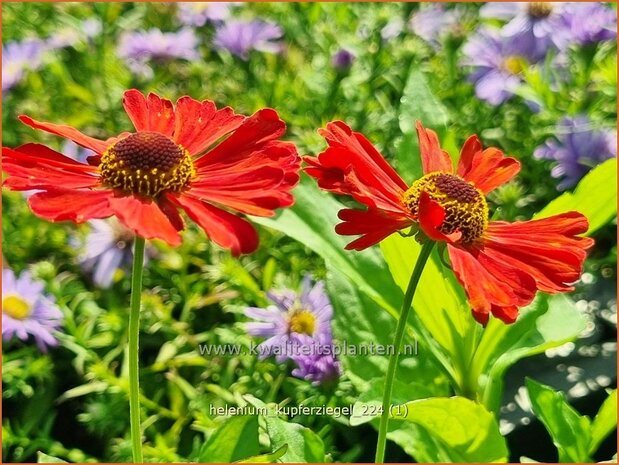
501, 265
189, 156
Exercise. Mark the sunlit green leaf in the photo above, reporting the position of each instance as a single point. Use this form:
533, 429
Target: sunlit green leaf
235, 439
604, 422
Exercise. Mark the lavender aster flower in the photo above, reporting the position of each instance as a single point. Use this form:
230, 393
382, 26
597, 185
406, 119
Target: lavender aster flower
578, 147
107, 248
69, 36
533, 25
343, 60
19, 57
199, 13
139, 48
27, 311
392, 29
497, 64
587, 23
295, 320
240, 37
433, 22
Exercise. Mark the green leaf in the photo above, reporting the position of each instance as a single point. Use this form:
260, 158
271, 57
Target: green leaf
266, 458
595, 197
460, 429
417, 103
44, 458
570, 431
235, 439
548, 322
604, 422
303, 445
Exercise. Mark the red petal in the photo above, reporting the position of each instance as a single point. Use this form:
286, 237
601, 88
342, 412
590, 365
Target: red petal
200, 124
433, 157
352, 166
68, 132
223, 228
71, 205
149, 114
372, 225
145, 218
487, 169
507, 314
431, 217
470, 149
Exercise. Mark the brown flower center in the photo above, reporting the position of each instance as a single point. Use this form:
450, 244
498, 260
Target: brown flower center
540, 9
465, 206
146, 163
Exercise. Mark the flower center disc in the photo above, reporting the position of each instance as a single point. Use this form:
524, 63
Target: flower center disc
540, 9
465, 206
303, 322
146, 163
16, 307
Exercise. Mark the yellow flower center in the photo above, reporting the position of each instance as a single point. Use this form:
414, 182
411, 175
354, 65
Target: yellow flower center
146, 163
16, 307
513, 64
540, 9
465, 206
302, 322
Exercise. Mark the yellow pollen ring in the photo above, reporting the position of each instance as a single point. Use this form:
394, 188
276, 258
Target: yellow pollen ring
16, 307
466, 209
513, 64
302, 322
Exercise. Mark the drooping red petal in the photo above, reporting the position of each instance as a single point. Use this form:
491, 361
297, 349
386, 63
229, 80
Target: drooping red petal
151, 113
145, 218
487, 169
223, 228
200, 124
67, 132
71, 204
433, 158
372, 225
431, 217
548, 249
491, 286
352, 166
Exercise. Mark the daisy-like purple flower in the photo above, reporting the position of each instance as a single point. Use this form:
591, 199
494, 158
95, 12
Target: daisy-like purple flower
533, 25
69, 36
294, 321
342, 60
27, 311
108, 247
587, 23
241, 37
433, 22
143, 47
497, 64
199, 13
320, 365
18, 58
577, 148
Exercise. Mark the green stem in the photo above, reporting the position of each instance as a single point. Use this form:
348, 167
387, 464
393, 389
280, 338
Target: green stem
397, 344
134, 338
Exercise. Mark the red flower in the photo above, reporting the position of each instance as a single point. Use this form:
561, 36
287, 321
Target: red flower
501, 265
190, 156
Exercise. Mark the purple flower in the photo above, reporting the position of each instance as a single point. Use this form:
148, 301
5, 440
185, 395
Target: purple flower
240, 37
69, 36
107, 248
577, 148
199, 13
587, 23
343, 60
139, 48
295, 321
320, 365
392, 29
26, 311
533, 25
19, 57
497, 65
433, 22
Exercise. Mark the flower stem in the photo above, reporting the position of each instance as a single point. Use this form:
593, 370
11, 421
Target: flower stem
397, 344
134, 337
